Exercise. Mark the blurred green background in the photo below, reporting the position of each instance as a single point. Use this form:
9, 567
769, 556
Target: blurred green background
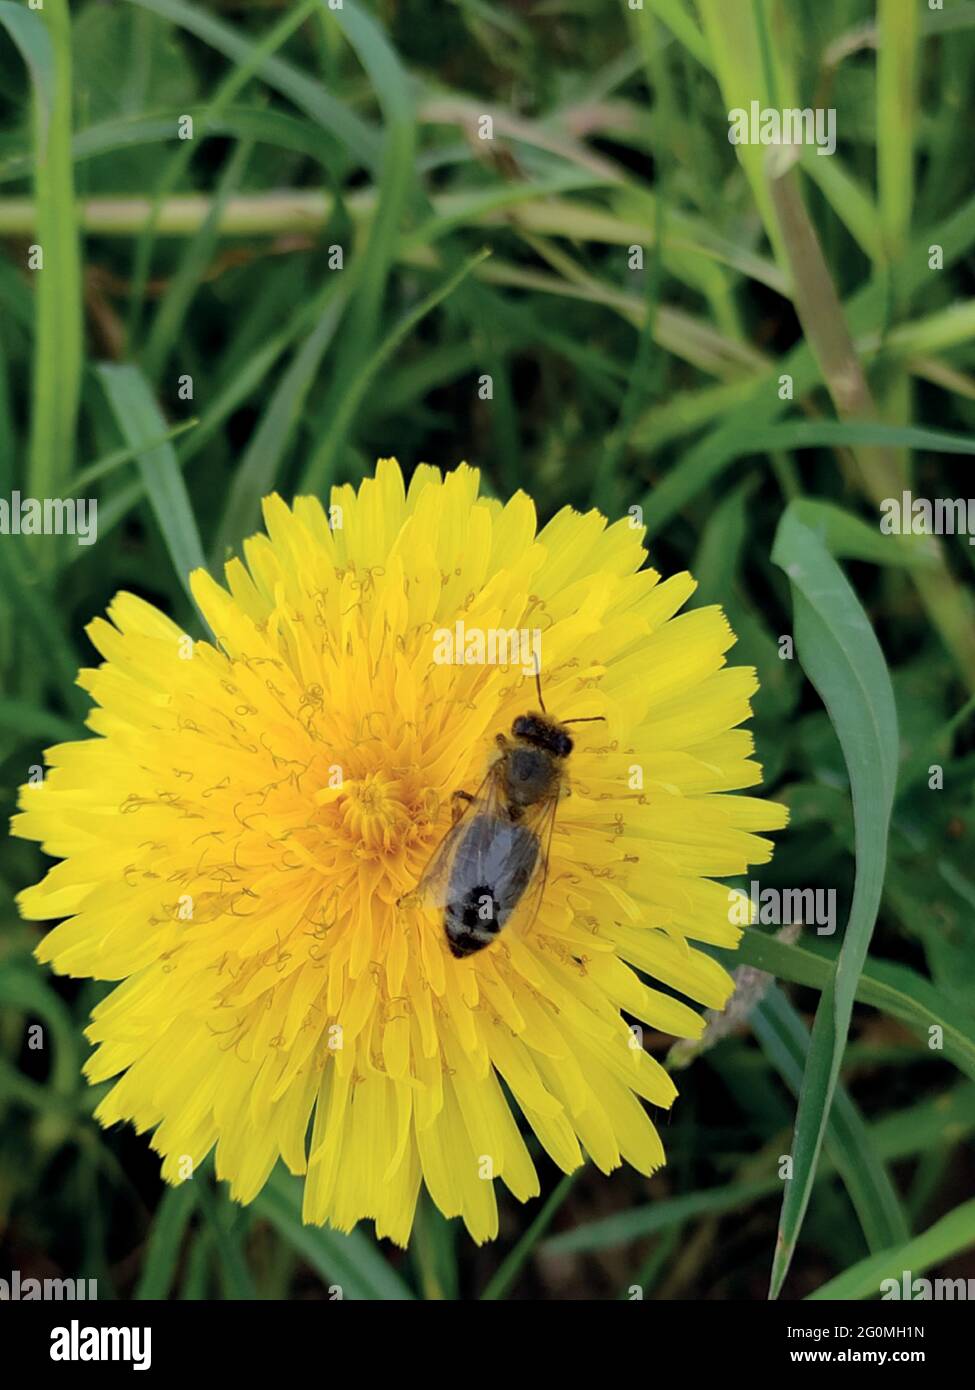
327, 272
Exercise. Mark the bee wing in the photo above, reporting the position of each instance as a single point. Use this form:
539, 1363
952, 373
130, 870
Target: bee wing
541, 820
435, 879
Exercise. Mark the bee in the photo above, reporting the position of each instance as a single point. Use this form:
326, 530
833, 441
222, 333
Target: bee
494, 859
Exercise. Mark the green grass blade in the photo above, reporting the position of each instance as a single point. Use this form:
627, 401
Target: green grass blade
734, 440
947, 1237
900, 1135
848, 198
307, 94
939, 1122
246, 380
842, 658
678, 18
785, 1041
433, 1246
45, 623
513, 1263
746, 70
140, 421
109, 462
22, 988
351, 1261
259, 467
191, 271
846, 536
248, 63
658, 1216
318, 474
897, 56
938, 747
895, 989
395, 177
276, 128
26, 719
224, 1221
165, 1241
44, 39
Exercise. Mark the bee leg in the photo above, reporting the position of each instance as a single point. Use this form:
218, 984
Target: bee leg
501, 740
456, 808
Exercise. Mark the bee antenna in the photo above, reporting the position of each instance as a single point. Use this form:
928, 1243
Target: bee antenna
586, 719
538, 683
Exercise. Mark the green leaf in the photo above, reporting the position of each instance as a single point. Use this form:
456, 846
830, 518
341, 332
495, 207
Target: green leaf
739, 51
44, 40
930, 1124
895, 989
109, 462
318, 474
847, 536
917, 767
259, 467
677, 17
165, 1241
737, 439
352, 1261
24, 988
395, 188
195, 1284
30, 722
224, 1221
140, 421
249, 61
275, 128
947, 1237
247, 379
45, 622
26, 28
395, 177
898, 52
190, 272
785, 1041
307, 94
433, 1246
842, 658
658, 1216
512, 1264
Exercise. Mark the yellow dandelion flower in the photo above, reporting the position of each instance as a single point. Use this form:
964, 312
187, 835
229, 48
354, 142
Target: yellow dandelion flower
241, 840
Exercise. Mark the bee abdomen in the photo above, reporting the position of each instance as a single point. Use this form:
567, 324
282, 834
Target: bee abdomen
492, 869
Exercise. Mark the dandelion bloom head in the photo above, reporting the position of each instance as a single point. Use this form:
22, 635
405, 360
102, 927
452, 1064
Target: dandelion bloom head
240, 839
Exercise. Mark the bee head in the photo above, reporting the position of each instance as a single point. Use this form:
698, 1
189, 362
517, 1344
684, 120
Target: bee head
543, 732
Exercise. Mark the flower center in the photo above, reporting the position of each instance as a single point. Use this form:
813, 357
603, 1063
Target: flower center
373, 813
